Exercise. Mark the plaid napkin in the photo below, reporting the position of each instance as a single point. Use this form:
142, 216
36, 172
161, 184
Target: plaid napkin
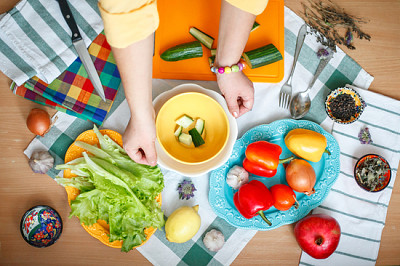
341, 70
362, 214
72, 91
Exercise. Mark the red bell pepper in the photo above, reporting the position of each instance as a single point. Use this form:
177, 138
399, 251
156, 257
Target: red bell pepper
262, 158
252, 199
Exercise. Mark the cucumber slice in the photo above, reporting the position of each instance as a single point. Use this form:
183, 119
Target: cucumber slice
199, 125
211, 60
196, 138
183, 51
205, 39
262, 56
185, 139
255, 26
184, 121
178, 131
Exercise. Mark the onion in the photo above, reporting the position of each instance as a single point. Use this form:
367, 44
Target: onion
38, 121
300, 176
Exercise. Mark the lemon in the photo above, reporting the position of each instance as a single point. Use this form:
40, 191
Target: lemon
182, 224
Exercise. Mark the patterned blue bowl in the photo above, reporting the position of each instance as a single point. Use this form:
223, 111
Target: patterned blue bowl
41, 226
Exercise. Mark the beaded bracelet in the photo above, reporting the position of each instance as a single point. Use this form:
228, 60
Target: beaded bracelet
234, 68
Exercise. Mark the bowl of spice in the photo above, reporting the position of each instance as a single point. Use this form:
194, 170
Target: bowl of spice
344, 105
372, 172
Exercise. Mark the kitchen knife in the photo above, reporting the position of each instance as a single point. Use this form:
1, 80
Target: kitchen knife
80, 47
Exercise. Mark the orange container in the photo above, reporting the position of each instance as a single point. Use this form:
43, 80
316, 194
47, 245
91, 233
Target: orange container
176, 18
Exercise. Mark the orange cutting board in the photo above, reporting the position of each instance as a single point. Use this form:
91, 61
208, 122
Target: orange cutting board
177, 16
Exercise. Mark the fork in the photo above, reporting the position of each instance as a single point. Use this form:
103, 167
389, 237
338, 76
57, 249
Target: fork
285, 94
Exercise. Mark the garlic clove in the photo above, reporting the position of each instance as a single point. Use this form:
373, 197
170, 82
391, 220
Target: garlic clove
214, 240
41, 162
237, 176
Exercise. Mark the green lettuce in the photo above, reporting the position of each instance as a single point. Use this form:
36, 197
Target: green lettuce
115, 189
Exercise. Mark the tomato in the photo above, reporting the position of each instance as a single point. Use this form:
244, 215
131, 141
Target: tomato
284, 197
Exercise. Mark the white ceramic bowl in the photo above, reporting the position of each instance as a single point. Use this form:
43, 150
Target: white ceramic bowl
199, 169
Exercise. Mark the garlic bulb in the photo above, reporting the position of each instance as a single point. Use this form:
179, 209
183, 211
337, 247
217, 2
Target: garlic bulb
41, 161
237, 176
214, 240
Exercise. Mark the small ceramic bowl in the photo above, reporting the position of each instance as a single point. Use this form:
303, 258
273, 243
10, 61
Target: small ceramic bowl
41, 226
384, 179
359, 104
193, 104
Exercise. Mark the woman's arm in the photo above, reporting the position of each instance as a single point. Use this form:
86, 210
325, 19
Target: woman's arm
129, 27
135, 67
234, 29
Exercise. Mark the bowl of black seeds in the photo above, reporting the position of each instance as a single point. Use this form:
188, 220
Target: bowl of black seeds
344, 105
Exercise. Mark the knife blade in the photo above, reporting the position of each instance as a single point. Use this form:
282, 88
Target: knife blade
81, 49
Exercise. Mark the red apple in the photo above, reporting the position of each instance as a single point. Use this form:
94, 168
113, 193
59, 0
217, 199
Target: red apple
318, 235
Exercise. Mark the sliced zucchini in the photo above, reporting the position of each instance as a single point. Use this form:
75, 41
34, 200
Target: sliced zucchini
199, 126
178, 131
262, 56
202, 37
213, 52
211, 60
183, 51
255, 26
185, 139
196, 137
184, 121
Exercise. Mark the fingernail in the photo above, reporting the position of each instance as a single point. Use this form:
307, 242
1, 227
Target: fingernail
235, 114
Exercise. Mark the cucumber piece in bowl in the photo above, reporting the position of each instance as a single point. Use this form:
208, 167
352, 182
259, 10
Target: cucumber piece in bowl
185, 139
184, 121
196, 137
200, 125
178, 131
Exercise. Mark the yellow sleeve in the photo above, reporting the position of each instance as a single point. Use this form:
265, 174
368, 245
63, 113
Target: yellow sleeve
127, 21
255, 7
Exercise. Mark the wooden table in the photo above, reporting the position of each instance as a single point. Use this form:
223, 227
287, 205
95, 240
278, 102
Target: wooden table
21, 189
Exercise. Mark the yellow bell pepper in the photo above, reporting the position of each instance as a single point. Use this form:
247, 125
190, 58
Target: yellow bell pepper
307, 144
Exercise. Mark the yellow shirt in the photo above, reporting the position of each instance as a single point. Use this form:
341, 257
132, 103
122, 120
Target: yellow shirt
129, 21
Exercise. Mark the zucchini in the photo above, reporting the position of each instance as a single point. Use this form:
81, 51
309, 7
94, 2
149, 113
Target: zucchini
200, 125
213, 52
178, 131
255, 26
185, 139
202, 37
262, 56
184, 121
183, 51
196, 138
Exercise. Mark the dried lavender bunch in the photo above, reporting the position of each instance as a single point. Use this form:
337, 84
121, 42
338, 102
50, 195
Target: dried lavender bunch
332, 25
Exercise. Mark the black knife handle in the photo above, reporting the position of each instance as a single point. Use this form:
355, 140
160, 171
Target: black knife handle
67, 14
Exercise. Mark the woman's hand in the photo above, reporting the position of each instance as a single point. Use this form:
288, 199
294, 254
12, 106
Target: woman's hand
238, 91
139, 140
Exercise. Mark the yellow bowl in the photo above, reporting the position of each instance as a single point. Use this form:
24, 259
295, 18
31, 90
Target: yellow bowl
195, 105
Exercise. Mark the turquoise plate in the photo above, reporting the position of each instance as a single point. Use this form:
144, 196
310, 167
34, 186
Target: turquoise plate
327, 171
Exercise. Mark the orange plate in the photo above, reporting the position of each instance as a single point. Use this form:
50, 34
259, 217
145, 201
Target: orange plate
99, 230
177, 16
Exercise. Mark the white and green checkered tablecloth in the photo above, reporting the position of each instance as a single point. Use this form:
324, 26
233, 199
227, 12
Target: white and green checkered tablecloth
340, 71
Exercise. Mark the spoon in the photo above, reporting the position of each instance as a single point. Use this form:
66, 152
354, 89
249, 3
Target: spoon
301, 102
